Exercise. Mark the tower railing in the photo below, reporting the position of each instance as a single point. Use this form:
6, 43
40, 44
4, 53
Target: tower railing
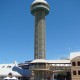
39, 67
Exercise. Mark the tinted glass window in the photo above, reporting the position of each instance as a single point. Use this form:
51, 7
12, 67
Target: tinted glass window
78, 72
74, 72
78, 63
73, 63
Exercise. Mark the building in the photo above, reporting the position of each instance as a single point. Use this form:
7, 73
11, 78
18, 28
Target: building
70, 68
14, 70
75, 65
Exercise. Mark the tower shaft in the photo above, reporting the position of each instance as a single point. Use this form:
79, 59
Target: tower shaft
39, 44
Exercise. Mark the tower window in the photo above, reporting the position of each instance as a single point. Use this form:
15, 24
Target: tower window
74, 72
78, 63
78, 72
73, 64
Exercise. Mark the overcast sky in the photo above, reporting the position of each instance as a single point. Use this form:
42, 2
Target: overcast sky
17, 30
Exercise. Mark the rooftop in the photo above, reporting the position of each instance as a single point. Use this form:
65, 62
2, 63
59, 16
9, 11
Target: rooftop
37, 1
51, 61
5, 69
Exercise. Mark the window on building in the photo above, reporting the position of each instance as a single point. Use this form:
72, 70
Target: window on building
74, 72
78, 63
78, 72
73, 63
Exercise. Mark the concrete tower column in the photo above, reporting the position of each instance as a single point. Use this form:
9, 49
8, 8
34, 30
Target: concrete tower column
39, 44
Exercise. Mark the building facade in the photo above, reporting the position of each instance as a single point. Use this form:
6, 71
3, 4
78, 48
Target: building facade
75, 66
14, 70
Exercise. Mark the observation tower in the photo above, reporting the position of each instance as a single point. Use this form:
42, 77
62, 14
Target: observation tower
39, 9
39, 66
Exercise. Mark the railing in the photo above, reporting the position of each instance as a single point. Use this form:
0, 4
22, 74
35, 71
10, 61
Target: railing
37, 67
53, 68
49, 67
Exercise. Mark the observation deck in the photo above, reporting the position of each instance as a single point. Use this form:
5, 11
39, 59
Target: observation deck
39, 5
